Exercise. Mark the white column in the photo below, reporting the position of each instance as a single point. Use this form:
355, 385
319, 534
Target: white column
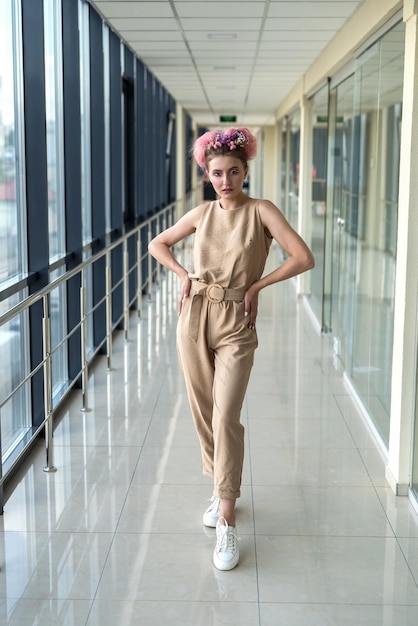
406, 289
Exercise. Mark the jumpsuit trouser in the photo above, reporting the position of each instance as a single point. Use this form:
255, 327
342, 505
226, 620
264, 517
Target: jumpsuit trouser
216, 360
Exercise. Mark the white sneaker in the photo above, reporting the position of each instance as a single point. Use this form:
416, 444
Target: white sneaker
226, 553
211, 515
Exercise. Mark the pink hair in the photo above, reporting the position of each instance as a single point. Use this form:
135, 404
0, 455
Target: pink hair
214, 140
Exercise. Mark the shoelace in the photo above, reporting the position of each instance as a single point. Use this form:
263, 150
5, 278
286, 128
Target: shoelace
215, 505
227, 539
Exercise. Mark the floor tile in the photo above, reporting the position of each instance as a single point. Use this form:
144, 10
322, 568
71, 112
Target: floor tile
337, 615
214, 613
175, 567
308, 466
65, 566
27, 612
326, 511
341, 570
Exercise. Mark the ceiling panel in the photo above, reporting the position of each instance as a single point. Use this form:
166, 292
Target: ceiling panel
234, 55
311, 9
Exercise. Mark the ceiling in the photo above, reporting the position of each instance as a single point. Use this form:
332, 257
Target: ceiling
227, 57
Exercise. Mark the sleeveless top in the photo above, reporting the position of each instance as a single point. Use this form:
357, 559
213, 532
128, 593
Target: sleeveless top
231, 246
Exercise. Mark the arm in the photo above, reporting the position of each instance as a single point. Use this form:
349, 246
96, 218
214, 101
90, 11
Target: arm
160, 247
300, 258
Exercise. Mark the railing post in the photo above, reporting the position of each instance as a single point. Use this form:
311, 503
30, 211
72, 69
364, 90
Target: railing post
126, 290
48, 412
108, 311
84, 363
139, 273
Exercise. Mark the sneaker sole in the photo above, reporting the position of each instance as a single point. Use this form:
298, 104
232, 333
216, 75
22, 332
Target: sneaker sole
210, 523
225, 567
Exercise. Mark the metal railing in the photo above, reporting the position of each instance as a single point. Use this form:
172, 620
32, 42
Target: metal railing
141, 235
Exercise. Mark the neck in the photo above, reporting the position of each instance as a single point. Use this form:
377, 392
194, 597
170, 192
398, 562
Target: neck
235, 203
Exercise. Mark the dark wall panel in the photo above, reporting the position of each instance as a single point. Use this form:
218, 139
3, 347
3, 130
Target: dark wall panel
97, 170
72, 164
36, 180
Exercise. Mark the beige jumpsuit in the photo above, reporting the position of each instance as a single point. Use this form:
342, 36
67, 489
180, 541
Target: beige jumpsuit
215, 345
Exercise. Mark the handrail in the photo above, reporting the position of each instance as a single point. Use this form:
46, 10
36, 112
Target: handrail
30, 300
144, 230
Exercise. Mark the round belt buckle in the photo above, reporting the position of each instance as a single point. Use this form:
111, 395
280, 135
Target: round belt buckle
211, 293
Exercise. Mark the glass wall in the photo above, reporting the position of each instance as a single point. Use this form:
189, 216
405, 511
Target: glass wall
55, 172
366, 137
290, 168
12, 225
60, 124
15, 413
14, 409
54, 126
318, 196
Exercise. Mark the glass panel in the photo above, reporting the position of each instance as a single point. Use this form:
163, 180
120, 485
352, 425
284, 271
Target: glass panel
319, 174
380, 76
294, 152
284, 176
54, 127
12, 228
341, 186
14, 412
58, 315
366, 172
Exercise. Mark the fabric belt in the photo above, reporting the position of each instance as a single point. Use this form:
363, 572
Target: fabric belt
215, 293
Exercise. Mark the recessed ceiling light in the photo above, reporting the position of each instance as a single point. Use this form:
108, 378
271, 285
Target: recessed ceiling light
222, 36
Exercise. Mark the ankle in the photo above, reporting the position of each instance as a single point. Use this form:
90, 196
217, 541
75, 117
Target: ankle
230, 519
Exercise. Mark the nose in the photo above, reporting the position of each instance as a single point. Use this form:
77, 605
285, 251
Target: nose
225, 178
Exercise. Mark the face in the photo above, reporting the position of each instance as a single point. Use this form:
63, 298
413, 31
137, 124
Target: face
227, 175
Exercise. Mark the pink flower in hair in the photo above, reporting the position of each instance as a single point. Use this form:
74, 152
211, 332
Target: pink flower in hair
233, 138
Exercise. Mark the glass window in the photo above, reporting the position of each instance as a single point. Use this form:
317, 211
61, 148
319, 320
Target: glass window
365, 190
58, 315
56, 197
14, 405
294, 162
290, 168
54, 126
12, 222
15, 411
318, 196
83, 20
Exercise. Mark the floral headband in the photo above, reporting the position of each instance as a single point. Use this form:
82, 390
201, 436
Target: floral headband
232, 138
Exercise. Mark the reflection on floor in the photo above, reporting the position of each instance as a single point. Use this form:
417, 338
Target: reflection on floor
115, 537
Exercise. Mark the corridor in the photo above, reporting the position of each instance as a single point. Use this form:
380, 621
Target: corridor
114, 537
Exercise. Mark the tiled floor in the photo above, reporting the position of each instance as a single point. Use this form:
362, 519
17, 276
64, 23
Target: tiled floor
115, 538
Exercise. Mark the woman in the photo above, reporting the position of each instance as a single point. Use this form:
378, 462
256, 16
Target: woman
218, 306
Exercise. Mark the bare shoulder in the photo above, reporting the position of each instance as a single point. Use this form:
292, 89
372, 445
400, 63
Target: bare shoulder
184, 227
270, 213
